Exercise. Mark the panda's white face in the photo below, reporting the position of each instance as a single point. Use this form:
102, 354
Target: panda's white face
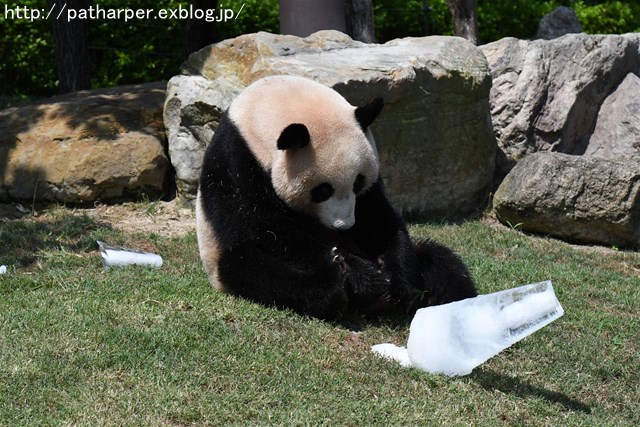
323, 179
315, 145
337, 210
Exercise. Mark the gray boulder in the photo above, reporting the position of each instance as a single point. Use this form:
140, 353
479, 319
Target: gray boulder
577, 198
562, 20
104, 144
617, 132
546, 94
434, 136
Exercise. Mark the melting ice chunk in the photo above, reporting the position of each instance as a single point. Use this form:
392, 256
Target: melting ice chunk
117, 256
455, 338
392, 351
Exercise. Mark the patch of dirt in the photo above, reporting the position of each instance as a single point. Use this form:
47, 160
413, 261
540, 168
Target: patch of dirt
166, 219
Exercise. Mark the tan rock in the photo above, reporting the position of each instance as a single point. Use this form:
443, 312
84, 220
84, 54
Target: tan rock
103, 144
578, 198
617, 132
546, 94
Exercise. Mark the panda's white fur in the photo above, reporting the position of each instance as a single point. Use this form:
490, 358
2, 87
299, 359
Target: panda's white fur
207, 245
338, 152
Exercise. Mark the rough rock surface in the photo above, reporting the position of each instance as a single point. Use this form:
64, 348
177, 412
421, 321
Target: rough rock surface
578, 198
434, 136
102, 144
562, 20
617, 132
546, 94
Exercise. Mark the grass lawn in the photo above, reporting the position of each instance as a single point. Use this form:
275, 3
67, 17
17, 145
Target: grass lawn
135, 346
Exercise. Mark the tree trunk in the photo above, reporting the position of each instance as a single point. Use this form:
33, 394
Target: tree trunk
465, 19
359, 18
71, 47
200, 33
304, 17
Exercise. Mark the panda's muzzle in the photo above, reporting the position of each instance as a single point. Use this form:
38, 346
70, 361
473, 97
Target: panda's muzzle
338, 213
341, 224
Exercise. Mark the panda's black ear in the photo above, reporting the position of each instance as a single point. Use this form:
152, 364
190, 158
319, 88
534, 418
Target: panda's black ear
295, 135
366, 114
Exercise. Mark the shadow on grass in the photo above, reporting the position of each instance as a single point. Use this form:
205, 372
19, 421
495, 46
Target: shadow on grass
22, 240
490, 380
359, 323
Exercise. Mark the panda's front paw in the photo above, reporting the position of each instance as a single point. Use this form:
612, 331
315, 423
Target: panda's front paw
381, 264
337, 258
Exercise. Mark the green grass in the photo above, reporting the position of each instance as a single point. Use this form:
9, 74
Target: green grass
134, 346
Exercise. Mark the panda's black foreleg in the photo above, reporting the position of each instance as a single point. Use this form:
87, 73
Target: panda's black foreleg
445, 277
367, 283
307, 282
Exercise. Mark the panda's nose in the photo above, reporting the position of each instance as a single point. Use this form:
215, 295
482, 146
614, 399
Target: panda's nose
343, 224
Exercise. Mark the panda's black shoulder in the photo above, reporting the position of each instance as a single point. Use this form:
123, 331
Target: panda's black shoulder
227, 141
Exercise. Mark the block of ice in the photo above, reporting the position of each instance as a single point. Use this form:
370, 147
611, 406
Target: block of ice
117, 256
392, 351
455, 338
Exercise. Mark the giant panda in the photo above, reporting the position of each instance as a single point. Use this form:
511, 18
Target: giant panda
291, 210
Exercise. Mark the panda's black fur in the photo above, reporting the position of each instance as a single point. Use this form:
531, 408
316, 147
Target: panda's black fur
270, 253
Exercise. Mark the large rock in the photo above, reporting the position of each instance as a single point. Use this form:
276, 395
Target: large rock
617, 132
546, 94
577, 198
562, 20
102, 144
434, 136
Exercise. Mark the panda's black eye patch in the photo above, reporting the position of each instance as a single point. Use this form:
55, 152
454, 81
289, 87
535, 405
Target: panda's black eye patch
322, 193
359, 184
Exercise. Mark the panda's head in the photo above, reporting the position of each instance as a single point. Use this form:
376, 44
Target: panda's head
315, 145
